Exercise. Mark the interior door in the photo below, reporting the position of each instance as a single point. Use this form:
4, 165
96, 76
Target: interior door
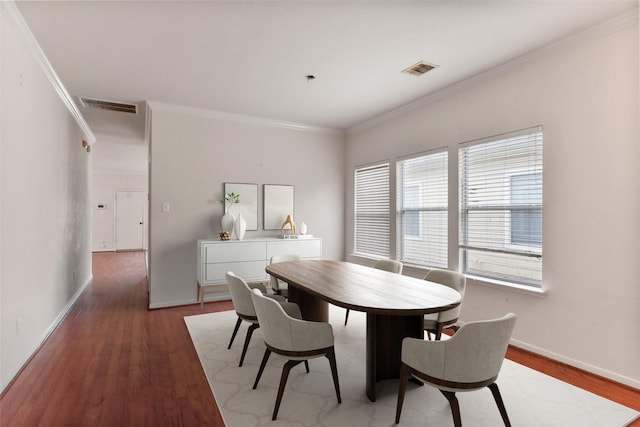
129, 220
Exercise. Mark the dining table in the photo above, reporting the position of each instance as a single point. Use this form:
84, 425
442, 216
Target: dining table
394, 304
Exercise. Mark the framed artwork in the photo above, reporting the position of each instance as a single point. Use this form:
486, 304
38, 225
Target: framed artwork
248, 205
278, 203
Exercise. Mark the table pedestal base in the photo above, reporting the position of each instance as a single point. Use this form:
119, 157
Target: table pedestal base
384, 346
311, 307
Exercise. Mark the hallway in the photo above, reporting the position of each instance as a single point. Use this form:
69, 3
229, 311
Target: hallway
113, 362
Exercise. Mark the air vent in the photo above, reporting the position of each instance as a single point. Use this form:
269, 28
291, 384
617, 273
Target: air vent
101, 104
419, 69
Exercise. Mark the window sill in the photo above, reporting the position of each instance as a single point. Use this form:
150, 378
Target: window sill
508, 286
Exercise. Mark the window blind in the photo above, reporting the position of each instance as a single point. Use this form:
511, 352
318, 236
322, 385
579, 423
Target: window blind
501, 207
422, 214
372, 211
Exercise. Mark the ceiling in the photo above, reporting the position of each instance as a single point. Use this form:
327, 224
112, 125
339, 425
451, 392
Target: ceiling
252, 57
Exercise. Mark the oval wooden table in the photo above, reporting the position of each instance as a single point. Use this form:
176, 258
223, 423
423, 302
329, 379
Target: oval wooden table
395, 305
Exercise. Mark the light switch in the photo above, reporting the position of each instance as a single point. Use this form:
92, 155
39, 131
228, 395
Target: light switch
166, 207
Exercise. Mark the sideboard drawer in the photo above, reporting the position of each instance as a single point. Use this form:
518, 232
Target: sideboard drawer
248, 270
306, 249
234, 251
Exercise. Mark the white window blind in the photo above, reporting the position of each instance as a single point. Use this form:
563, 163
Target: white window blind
372, 211
422, 210
501, 207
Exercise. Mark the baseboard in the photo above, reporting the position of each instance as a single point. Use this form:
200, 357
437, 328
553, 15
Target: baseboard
52, 327
167, 304
631, 382
63, 313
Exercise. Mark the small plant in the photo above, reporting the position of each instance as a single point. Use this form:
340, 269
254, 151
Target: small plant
231, 198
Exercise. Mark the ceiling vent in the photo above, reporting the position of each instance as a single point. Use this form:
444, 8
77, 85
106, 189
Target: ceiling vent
121, 107
419, 69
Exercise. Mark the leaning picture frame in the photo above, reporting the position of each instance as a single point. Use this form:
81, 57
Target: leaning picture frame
278, 203
248, 205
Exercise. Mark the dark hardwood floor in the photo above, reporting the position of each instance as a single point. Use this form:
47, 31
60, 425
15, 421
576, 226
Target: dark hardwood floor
113, 362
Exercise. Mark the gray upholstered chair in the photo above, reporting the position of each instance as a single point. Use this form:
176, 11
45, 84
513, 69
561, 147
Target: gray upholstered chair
243, 305
297, 340
436, 322
470, 360
280, 287
386, 265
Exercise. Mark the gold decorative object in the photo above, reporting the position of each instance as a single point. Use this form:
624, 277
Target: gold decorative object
224, 235
292, 224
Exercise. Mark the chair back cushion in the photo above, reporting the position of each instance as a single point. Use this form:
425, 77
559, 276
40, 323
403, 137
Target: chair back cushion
389, 265
474, 354
477, 354
454, 280
274, 323
278, 284
284, 332
240, 295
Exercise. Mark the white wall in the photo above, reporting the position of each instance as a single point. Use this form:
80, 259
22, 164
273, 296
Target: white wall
45, 256
193, 153
586, 97
115, 166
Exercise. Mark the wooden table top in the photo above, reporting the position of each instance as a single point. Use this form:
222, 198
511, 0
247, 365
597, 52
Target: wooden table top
367, 289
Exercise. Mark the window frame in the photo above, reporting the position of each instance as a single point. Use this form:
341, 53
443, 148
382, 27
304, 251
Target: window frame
382, 213
441, 257
533, 140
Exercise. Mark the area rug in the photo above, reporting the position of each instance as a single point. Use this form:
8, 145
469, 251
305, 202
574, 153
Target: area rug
531, 398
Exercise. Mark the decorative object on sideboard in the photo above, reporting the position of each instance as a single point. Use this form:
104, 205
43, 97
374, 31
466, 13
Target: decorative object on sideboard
303, 228
228, 219
240, 227
288, 221
224, 235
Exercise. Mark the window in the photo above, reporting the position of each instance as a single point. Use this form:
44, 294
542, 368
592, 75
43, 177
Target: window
423, 210
372, 211
501, 207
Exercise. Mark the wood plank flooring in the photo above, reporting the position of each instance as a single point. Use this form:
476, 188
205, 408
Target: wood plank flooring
113, 362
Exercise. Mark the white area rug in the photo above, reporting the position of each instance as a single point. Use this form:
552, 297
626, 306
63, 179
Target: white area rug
531, 398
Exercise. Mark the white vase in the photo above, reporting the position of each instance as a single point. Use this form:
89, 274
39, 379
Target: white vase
240, 227
303, 228
228, 220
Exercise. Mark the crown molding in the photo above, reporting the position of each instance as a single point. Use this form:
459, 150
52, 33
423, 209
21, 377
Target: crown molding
22, 30
605, 28
240, 118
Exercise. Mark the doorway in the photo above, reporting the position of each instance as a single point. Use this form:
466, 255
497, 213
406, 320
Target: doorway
129, 220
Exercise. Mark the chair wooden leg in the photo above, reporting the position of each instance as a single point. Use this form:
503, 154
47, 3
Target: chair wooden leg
438, 331
498, 398
267, 353
235, 331
306, 365
252, 328
455, 407
331, 355
283, 381
404, 373
346, 317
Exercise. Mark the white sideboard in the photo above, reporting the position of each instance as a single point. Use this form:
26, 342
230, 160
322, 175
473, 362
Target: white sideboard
247, 258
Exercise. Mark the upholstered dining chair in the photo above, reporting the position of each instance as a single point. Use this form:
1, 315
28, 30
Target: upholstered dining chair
297, 340
436, 322
382, 264
243, 305
280, 287
468, 361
